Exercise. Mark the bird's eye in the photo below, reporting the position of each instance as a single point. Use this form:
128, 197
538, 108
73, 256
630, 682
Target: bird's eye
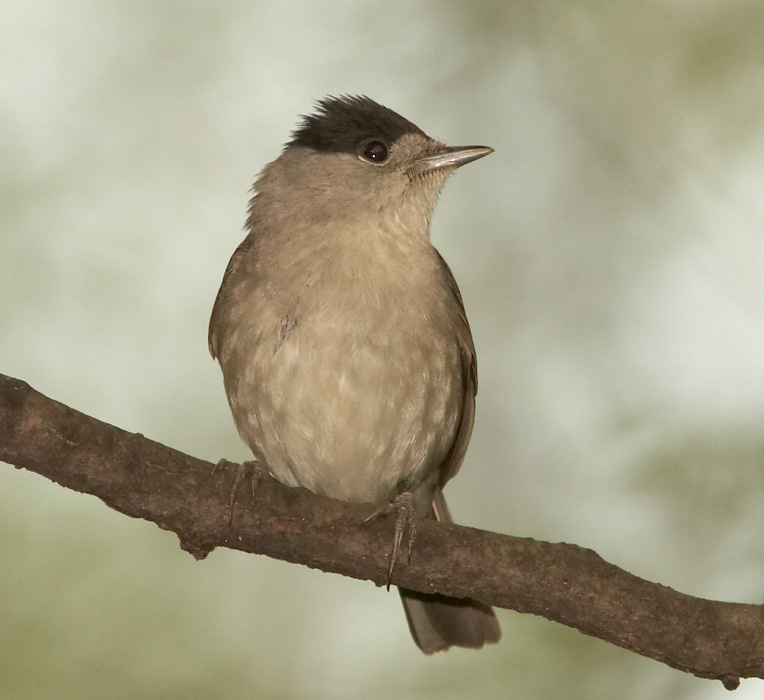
375, 152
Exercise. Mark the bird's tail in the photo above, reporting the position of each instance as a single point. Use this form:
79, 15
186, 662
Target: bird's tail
438, 622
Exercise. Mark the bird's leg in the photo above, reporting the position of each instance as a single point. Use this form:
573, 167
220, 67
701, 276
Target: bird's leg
405, 523
252, 469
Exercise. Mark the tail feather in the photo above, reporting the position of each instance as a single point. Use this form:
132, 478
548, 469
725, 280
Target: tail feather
438, 622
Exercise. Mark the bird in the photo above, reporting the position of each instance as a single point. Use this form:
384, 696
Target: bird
347, 358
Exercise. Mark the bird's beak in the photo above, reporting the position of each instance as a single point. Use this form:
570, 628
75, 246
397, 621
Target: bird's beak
452, 156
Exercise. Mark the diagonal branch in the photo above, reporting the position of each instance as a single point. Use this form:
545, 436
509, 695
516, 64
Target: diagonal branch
561, 582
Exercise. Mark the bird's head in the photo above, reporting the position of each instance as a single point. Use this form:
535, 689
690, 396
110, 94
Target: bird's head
354, 158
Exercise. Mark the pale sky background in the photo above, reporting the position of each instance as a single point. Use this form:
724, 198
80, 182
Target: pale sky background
610, 254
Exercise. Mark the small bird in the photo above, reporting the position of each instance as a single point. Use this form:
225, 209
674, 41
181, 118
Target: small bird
347, 357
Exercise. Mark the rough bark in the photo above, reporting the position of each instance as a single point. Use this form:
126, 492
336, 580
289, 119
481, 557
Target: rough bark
562, 582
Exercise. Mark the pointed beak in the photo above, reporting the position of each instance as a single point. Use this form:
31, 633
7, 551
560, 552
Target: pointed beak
452, 156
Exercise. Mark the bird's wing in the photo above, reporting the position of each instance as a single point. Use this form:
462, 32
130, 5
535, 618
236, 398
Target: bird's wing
455, 457
218, 321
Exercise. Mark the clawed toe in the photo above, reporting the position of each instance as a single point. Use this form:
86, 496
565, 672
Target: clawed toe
252, 469
405, 523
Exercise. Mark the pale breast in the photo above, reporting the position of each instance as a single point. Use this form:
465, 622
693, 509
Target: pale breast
352, 393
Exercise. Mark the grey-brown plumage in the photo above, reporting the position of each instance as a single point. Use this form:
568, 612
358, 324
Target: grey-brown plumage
347, 358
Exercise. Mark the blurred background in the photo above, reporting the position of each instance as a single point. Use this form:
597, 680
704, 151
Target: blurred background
610, 255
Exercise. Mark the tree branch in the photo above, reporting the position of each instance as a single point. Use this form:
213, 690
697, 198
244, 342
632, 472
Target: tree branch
561, 582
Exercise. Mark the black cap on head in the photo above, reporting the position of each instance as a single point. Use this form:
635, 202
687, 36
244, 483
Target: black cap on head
340, 124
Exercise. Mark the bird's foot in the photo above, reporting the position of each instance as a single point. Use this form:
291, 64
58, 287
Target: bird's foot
405, 523
252, 469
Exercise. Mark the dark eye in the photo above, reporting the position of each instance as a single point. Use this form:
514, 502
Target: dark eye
375, 151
